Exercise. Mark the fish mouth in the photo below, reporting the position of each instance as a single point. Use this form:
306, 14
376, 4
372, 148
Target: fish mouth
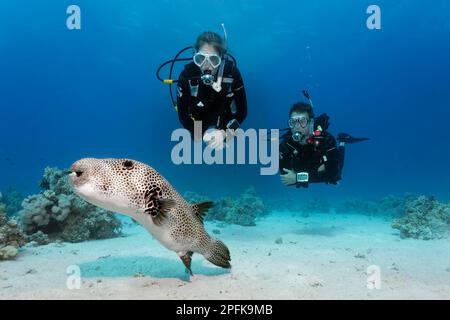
72, 178
76, 175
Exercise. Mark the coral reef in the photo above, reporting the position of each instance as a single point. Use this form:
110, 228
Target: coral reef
2, 214
391, 206
243, 210
394, 205
8, 253
39, 238
11, 236
12, 200
424, 218
58, 214
55, 180
193, 197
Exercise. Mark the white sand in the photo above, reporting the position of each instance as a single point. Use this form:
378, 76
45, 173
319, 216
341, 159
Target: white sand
321, 257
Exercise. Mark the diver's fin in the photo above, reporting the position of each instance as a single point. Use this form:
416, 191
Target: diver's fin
345, 137
218, 254
200, 209
187, 259
157, 207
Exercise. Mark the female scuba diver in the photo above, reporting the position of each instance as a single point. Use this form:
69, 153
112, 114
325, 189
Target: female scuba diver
210, 89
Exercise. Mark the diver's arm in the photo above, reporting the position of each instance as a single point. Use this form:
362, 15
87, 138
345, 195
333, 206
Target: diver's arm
285, 158
183, 100
287, 173
240, 97
332, 166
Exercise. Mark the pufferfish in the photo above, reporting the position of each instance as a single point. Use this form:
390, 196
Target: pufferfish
140, 192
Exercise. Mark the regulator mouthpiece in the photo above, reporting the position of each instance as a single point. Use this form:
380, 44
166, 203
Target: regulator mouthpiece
207, 78
297, 137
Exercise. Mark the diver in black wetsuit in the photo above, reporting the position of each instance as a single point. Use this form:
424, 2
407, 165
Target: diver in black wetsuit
210, 89
309, 153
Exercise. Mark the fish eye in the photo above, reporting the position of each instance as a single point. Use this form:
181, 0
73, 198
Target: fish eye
79, 173
128, 164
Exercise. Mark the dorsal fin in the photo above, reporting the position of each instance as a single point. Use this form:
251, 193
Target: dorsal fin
200, 209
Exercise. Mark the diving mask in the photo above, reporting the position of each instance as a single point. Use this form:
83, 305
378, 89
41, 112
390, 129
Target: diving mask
200, 58
298, 122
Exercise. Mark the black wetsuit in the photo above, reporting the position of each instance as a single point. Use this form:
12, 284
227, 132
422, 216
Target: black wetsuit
195, 100
308, 158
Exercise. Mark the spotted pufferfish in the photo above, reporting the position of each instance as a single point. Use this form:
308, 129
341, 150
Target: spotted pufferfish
140, 192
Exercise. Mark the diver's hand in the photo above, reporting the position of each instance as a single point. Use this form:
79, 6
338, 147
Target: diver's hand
215, 138
321, 169
290, 178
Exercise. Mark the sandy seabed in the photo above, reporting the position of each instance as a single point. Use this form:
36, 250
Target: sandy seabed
324, 256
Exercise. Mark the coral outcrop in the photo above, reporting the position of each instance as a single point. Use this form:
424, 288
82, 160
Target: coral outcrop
391, 206
12, 200
424, 218
58, 214
38, 238
243, 210
193, 197
11, 236
395, 205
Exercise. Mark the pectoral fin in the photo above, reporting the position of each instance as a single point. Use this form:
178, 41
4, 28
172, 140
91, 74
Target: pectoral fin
157, 207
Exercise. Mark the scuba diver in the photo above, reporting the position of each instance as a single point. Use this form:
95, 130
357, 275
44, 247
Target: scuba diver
308, 152
210, 89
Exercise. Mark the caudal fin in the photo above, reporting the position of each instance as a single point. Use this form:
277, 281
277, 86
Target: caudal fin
218, 254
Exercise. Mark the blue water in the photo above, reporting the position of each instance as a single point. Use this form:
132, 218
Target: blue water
66, 95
